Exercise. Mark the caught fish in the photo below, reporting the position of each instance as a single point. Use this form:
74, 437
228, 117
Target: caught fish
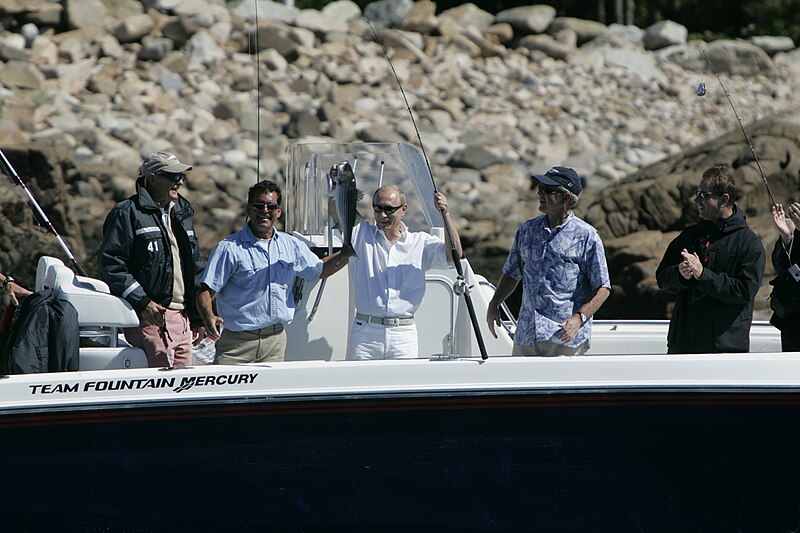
347, 197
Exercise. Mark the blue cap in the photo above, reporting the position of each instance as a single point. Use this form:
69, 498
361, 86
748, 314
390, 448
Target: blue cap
562, 177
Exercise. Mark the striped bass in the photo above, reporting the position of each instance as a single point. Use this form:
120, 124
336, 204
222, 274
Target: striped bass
346, 195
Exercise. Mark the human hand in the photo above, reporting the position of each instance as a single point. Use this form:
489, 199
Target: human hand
153, 314
198, 334
493, 317
691, 263
570, 327
17, 292
794, 214
441, 202
784, 225
213, 325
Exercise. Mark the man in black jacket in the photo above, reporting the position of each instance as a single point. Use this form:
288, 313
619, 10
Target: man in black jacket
151, 258
715, 267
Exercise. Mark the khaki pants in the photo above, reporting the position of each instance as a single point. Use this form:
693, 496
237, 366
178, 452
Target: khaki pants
256, 346
549, 349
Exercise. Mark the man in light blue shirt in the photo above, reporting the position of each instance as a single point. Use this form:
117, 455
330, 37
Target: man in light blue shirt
562, 264
252, 273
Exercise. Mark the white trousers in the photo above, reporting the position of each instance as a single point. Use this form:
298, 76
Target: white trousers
376, 341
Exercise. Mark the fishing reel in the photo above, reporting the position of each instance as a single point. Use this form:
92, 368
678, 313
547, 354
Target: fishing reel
460, 286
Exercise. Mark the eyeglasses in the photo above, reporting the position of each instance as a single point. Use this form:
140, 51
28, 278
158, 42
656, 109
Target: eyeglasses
388, 209
547, 189
175, 177
705, 195
260, 206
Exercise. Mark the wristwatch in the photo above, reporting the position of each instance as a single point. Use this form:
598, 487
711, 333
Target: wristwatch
6, 281
583, 318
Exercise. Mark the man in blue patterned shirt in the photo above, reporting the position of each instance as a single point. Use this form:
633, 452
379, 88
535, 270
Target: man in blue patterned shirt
562, 264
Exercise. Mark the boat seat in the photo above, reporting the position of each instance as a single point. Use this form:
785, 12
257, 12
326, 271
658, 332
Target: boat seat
91, 297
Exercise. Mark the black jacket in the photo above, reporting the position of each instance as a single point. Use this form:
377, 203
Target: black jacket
714, 313
135, 258
44, 337
781, 263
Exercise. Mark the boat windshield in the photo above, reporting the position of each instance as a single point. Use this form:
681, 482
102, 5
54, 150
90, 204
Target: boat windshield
401, 164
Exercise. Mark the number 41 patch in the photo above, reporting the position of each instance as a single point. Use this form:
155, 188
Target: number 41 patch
152, 246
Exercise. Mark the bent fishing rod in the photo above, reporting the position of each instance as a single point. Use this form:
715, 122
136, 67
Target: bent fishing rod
8, 169
461, 284
701, 91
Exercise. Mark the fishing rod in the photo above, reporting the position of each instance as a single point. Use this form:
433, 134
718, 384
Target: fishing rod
701, 91
258, 98
461, 286
8, 169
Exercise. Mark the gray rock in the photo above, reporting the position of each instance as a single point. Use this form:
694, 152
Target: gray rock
528, 19
475, 157
585, 30
455, 20
86, 14
737, 57
773, 45
21, 75
422, 18
201, 48
266, 9
133, 28
316, 21
29, 32
342, 11
547, 45
388, 13
663, 34
155, 48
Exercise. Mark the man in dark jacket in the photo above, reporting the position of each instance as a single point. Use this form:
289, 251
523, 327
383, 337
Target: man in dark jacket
715, 267
151, 258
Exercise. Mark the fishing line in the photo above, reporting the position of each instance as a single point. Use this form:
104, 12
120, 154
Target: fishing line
701, 91
461, 287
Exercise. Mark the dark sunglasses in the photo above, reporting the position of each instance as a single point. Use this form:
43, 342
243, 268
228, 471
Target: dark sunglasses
388, 209
705, 195
260, 206
174, 177
548, 189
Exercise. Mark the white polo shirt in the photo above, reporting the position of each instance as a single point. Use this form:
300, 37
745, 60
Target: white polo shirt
389, 279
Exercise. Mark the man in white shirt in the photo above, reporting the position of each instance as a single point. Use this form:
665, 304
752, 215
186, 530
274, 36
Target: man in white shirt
389, 277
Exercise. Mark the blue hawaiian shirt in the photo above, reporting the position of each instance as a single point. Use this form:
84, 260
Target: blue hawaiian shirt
560, 269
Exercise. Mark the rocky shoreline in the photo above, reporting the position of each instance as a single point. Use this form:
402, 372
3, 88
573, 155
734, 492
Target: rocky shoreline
87, 87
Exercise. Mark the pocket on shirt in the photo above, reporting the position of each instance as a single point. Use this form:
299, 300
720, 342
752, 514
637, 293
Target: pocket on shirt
564, 277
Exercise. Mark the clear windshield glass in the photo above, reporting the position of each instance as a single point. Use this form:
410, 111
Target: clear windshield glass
401, 164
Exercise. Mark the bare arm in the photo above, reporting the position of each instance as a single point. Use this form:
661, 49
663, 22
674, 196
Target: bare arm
16, 291
505, 287
574, 323
333, 264
212, 322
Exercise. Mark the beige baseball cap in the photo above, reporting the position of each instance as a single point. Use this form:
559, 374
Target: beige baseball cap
160, 162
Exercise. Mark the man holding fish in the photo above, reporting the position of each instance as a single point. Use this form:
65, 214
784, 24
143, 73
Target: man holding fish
252, 273
388, 268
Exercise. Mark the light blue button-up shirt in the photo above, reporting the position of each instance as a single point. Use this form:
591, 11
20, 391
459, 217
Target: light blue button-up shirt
254, 281
560, 269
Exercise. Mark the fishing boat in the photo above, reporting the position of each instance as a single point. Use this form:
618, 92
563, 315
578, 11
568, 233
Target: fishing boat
626, 438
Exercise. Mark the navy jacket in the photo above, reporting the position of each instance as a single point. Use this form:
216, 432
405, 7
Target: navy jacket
135, 258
